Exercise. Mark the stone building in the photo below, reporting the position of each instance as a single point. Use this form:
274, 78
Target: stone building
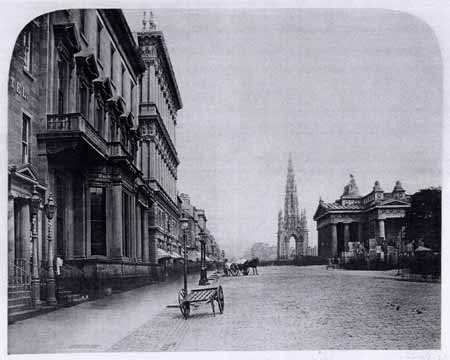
196, 224
375, 222
159, 101
293, 224
91, 125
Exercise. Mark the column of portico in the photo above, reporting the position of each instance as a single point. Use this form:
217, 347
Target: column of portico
11, 234
334, 240
346, 236
116, 246
25, 234
381, 231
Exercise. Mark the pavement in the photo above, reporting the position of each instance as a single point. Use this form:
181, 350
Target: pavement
282, 308
94, 325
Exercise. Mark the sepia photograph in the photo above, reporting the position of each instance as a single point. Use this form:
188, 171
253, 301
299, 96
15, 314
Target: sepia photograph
222, 179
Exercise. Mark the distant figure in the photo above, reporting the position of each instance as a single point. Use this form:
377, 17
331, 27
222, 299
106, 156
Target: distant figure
226, 267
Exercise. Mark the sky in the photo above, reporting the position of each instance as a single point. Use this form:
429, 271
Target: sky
355, 91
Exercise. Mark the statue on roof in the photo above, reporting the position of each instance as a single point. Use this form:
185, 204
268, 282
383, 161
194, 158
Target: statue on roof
351, 188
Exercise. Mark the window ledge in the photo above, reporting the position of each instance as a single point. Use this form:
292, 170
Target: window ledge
28, 73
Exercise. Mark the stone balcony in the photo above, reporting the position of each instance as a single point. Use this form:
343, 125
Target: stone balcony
66, 130
72, 130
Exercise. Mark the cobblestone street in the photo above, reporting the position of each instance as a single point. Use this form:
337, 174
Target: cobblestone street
283, 308
301, 308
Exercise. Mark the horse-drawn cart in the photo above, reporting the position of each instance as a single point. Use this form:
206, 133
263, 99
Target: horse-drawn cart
205, 295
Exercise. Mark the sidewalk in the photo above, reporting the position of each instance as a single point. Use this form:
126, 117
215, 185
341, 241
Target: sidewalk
94, 325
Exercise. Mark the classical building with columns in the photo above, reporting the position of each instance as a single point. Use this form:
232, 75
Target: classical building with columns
91, 158
375, 221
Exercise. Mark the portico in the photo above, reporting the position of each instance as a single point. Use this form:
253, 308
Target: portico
371, 221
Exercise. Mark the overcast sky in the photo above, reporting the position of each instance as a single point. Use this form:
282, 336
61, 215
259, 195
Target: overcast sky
345, 91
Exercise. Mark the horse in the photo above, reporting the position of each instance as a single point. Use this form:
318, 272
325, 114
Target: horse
253, 263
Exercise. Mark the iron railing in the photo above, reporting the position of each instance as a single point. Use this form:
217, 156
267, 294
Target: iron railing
18, 275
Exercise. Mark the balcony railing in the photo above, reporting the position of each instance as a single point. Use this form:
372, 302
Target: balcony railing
76, 123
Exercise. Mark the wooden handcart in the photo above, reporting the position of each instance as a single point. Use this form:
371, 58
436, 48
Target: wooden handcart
206, 295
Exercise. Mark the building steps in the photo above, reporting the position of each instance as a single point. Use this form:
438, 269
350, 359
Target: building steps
19, 299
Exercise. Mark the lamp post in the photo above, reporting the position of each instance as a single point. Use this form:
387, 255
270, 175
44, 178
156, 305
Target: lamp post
50, 212
35, 281
203, 278
184, 225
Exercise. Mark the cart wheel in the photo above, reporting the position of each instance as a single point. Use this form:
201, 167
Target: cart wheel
220, 299
185, 307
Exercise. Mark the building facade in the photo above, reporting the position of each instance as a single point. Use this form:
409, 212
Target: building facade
293, 224
159, 101
373, 223
196, 227
91, 128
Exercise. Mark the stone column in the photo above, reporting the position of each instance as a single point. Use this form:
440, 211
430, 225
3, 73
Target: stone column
334, 247
381, 232
11, 235
116, 246
138, 233
346, 236
144, 234
25, 234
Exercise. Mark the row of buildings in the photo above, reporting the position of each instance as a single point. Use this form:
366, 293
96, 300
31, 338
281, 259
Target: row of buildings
92, 158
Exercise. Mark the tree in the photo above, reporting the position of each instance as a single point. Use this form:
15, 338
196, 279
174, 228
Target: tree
423, 219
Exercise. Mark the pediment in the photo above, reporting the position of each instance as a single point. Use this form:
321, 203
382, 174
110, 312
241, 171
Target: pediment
28, 171
68, 36
395, 202
321, 210
103, 87
87, 64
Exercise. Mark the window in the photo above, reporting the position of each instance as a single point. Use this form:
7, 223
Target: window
84, 100
25, 139
131, 96
126, 222
122, 81
62, 86
99, 33
111, 63
27, 50
99, 116
98, 220
82, 21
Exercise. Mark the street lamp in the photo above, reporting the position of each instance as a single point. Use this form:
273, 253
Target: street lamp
50, 212
203, 278
184, 225
35, 281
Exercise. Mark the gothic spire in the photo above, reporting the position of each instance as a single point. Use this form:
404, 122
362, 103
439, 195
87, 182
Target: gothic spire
291, 214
